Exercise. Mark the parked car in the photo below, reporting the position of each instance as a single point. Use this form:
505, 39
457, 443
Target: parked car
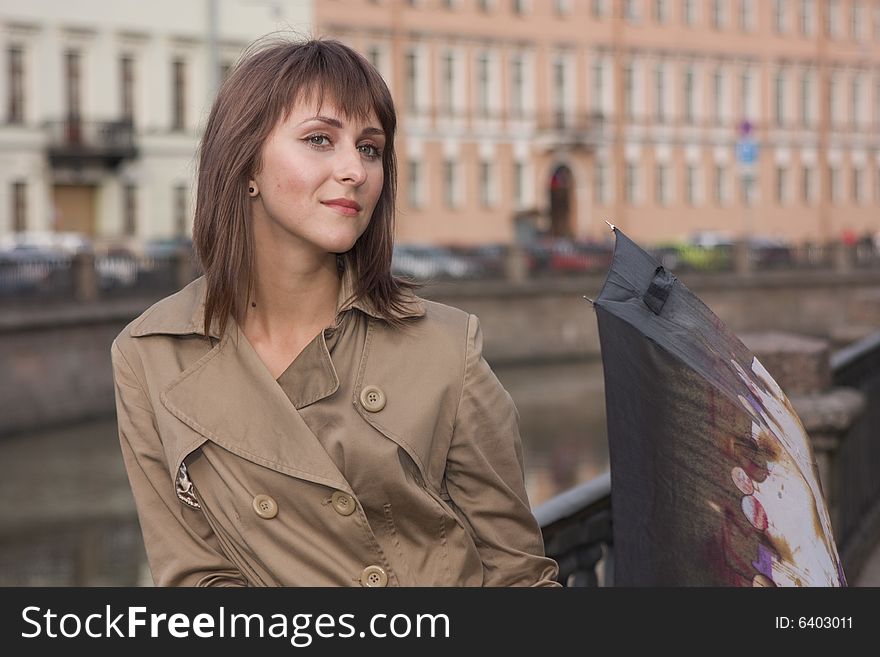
26, 269
426, 262
563, 255
487, 259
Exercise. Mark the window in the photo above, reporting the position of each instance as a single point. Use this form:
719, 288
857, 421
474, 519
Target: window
126, 87
178, 106
689, 12
374, 54
629, 90
720, 184
834, 184
15, 111
690, 99
717, 14
484, 5
562, 7
559, 91
129, 210
745, 93
632, 183
807, 16
661, 180
180, 213
517, 86
19, 206
599, 8
877, 22
858, 185
414, 184
72, 76
631, 11
661, 11
749, 190
519, 184
598, 80
691, 184
747, 15
806, 99
780, 16
487, 190
781, 185
834, 89
857, 21
660, 92
226, 69
832, 18
447, 80
856, 117
483, 84
779, 98
717, 94
877, 102
808, 185
412, 76
450, 177
600, 184
518, 6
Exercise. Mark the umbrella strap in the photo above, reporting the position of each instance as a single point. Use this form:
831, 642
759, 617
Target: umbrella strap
658, 291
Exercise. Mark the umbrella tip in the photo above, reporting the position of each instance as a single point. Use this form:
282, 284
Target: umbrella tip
592, 303
610, 225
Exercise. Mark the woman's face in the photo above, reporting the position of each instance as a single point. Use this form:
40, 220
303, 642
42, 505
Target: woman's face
320, 178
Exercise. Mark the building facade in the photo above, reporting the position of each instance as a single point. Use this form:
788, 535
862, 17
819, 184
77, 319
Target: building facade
517, 116
561, 114
102, 104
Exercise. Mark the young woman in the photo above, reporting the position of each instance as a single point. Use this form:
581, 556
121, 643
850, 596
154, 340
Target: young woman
297, 415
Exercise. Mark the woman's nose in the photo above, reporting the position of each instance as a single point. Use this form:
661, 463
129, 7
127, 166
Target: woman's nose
350, 167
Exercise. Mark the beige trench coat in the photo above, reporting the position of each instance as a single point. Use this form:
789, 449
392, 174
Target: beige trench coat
393, 461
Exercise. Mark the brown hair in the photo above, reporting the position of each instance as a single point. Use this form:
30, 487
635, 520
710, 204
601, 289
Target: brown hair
261, 90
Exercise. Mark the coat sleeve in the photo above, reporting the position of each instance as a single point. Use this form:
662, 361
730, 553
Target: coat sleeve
181, 547
484, 478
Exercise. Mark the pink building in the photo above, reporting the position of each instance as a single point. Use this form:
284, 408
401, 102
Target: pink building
578, 111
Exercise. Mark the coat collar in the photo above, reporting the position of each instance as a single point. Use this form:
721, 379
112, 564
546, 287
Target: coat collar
183, 313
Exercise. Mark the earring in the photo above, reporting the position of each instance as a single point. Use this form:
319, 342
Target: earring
251, 190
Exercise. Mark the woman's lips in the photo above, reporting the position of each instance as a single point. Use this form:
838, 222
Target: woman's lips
346, 210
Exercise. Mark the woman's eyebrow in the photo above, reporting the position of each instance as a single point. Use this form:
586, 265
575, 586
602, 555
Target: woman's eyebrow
336, 123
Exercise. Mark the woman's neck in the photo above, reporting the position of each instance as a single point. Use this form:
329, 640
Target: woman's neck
291, 300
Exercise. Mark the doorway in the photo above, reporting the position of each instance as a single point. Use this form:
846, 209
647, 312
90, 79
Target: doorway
74, 208
561, 188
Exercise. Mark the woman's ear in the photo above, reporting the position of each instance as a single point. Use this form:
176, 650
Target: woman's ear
252, 188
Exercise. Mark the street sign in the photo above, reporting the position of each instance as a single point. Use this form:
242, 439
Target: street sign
746, 150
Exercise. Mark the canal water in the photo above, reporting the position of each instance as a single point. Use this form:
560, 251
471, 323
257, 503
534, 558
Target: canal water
68, 517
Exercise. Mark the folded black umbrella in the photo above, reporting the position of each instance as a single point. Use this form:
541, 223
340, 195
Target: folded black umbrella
713, 479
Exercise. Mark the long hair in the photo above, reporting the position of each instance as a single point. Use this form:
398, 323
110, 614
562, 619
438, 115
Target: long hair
261, 91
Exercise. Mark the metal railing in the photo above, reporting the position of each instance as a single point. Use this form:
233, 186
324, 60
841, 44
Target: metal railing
577, 533
858, 489
86, 276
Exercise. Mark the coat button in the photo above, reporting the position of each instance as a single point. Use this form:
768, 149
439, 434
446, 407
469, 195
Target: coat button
374, 577
343, 503
265, 506
372, 399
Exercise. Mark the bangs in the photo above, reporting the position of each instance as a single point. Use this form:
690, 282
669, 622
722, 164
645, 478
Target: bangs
324, 71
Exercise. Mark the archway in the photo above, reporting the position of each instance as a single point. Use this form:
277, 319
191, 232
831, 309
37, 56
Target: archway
561, 187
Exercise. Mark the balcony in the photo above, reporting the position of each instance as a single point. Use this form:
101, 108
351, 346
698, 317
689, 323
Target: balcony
76, 143
559, 130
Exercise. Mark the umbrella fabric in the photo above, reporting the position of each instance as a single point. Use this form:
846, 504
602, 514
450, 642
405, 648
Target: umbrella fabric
713, 477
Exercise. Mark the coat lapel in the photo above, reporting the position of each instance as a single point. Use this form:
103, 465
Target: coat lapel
231, 398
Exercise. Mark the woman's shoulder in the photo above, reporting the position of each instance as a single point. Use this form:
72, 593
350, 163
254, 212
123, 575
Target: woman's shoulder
180, 313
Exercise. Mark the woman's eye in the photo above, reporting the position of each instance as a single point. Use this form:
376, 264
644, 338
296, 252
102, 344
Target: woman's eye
370, 150
318, 140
